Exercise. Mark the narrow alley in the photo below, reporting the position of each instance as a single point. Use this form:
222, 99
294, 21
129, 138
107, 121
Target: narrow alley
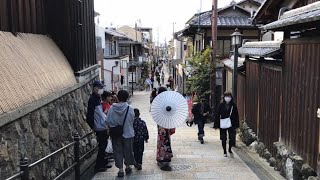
250, 66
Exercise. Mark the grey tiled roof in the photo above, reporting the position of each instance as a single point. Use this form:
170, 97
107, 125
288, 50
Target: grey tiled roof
261, 48
115, 33
233, 21
306, 14
230, 62
259, 1
229, 21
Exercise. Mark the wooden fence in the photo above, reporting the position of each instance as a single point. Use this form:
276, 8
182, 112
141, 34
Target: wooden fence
241, 103
252, 95
269, 105
301, 98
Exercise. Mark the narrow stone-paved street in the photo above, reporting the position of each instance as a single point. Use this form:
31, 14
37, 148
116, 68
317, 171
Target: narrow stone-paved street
192, 160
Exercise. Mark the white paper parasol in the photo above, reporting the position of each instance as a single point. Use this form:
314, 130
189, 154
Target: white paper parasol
169, 109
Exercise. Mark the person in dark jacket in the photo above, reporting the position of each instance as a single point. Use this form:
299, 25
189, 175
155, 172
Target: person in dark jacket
141, 135
96, 119
227, 108
153, 95
200, 112
152, 81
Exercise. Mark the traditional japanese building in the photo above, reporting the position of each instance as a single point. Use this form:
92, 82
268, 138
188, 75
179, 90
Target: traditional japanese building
281, 85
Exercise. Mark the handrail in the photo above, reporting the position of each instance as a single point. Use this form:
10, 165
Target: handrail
25, 167
52, 154
90, 133
65, 171
19, 174
86, 154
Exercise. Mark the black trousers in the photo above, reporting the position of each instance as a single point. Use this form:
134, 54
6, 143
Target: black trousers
138, 149
232, 137
102, 138
200, 121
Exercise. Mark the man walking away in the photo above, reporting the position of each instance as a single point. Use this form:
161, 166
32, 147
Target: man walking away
96, 119
162, 78
200, 112
152, 81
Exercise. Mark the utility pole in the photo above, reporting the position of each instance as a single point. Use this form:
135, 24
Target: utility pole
171, 70
214, 30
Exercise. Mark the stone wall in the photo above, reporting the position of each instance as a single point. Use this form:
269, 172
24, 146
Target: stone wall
43, 131
290, 165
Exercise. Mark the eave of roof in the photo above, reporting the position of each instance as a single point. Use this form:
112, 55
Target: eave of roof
261, 48
129, 42
305, 14
270, 4
230, 62
224, 21
223, 8
115, 33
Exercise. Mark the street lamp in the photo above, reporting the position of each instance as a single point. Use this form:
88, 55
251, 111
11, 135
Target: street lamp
236, 42
132, 76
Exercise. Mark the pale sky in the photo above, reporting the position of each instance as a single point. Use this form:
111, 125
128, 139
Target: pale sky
158, 14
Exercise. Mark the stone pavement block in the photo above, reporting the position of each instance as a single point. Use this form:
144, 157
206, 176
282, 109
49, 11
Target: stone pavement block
208, 175
179, 175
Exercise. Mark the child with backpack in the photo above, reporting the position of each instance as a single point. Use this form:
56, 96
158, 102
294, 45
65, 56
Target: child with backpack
141, 136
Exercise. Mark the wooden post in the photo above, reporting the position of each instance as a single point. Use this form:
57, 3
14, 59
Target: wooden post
235, 74
214, 30
76, 150
24, 166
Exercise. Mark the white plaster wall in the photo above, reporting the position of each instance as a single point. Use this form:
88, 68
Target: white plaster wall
124, 71
100, 33
108, 63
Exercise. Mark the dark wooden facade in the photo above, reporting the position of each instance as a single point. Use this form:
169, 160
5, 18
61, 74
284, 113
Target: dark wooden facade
288, 94
306, 2
269, 12
301, 98
22, 16
69, 23
259, 100
241, 96
270, 84
252, 95
281, 101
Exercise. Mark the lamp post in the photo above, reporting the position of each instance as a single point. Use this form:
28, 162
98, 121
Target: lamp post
214, 34
236, 42
132, 76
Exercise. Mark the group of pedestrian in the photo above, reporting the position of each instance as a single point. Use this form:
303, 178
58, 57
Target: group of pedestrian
157, 75
112, 117
226, 119
107, 116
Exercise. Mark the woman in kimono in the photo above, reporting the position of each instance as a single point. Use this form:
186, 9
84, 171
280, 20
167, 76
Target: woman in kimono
164, 151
